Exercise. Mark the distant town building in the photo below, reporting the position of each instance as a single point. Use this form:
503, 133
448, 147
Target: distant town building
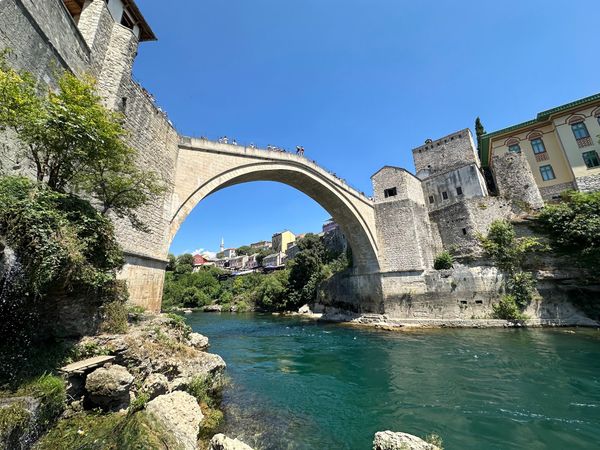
273, 261
238, 262
201, 260
560, 145
260, 245
252, 262
229, 253
281, 240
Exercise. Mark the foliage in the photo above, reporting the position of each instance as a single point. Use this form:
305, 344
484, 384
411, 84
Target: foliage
114, 311
508, 251
573, 226
116, 431
508, 309
206, 389
87, 350
75, 143
443, 261
521, 285
244, 250
172, 263
184, 263
271, 293
61, 245
509, 254
51, 392
57, 237
179, 323
14, 420
139, 403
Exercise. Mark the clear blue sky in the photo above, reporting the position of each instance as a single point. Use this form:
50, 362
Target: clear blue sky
358, 83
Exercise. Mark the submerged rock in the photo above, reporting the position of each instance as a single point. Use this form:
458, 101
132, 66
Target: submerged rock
222, 442
108, 387
388, 440
179, 414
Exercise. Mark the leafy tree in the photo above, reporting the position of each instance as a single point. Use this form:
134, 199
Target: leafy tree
184, 263
479, 132
172, 263
75, 143
244, 250
271, 293
509, 254
573, 226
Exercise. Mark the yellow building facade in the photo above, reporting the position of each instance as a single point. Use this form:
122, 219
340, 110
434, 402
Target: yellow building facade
281, 240
561, 146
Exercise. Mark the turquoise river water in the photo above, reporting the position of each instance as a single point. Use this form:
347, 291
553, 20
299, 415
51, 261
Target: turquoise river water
298, 384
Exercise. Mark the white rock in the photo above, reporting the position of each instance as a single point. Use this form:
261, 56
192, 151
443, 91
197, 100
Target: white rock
304, 310
108, 387
180, 414
198, 341
388, 440
222, 442
155, 384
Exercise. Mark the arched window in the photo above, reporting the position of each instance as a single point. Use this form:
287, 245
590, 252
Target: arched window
580, 131
513, 145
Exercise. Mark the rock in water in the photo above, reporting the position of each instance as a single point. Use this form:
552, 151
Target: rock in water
180, 414
388, 440
222, 442
155, 384
304, 310
108, 387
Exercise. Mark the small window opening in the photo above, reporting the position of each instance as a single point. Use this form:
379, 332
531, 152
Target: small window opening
392, 192
459, 190
431, 199
463, 302
445, 195
464, 231
123, 104
479, 302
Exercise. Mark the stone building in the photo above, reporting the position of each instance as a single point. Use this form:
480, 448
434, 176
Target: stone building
561, 146
276, 260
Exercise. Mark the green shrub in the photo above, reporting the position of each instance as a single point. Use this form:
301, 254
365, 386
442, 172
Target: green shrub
14, 420
443, 261
50, 390
573, 226
521, 286
507, 309
179, 323
206, 389
139, 403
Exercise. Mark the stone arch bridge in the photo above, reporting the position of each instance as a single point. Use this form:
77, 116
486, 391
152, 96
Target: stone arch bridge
203, 167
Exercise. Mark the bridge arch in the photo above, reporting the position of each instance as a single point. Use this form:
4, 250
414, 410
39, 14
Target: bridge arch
205, 167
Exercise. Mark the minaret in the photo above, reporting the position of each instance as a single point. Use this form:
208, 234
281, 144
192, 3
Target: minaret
222, 245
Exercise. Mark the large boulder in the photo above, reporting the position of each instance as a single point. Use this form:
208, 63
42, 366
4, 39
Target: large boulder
155, 384
180, 415
222, 442
108, 387
388, 440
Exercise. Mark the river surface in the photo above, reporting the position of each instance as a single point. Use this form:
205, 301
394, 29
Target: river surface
298, 384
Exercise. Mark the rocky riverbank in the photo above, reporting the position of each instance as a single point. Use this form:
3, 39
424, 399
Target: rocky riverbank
160, 389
